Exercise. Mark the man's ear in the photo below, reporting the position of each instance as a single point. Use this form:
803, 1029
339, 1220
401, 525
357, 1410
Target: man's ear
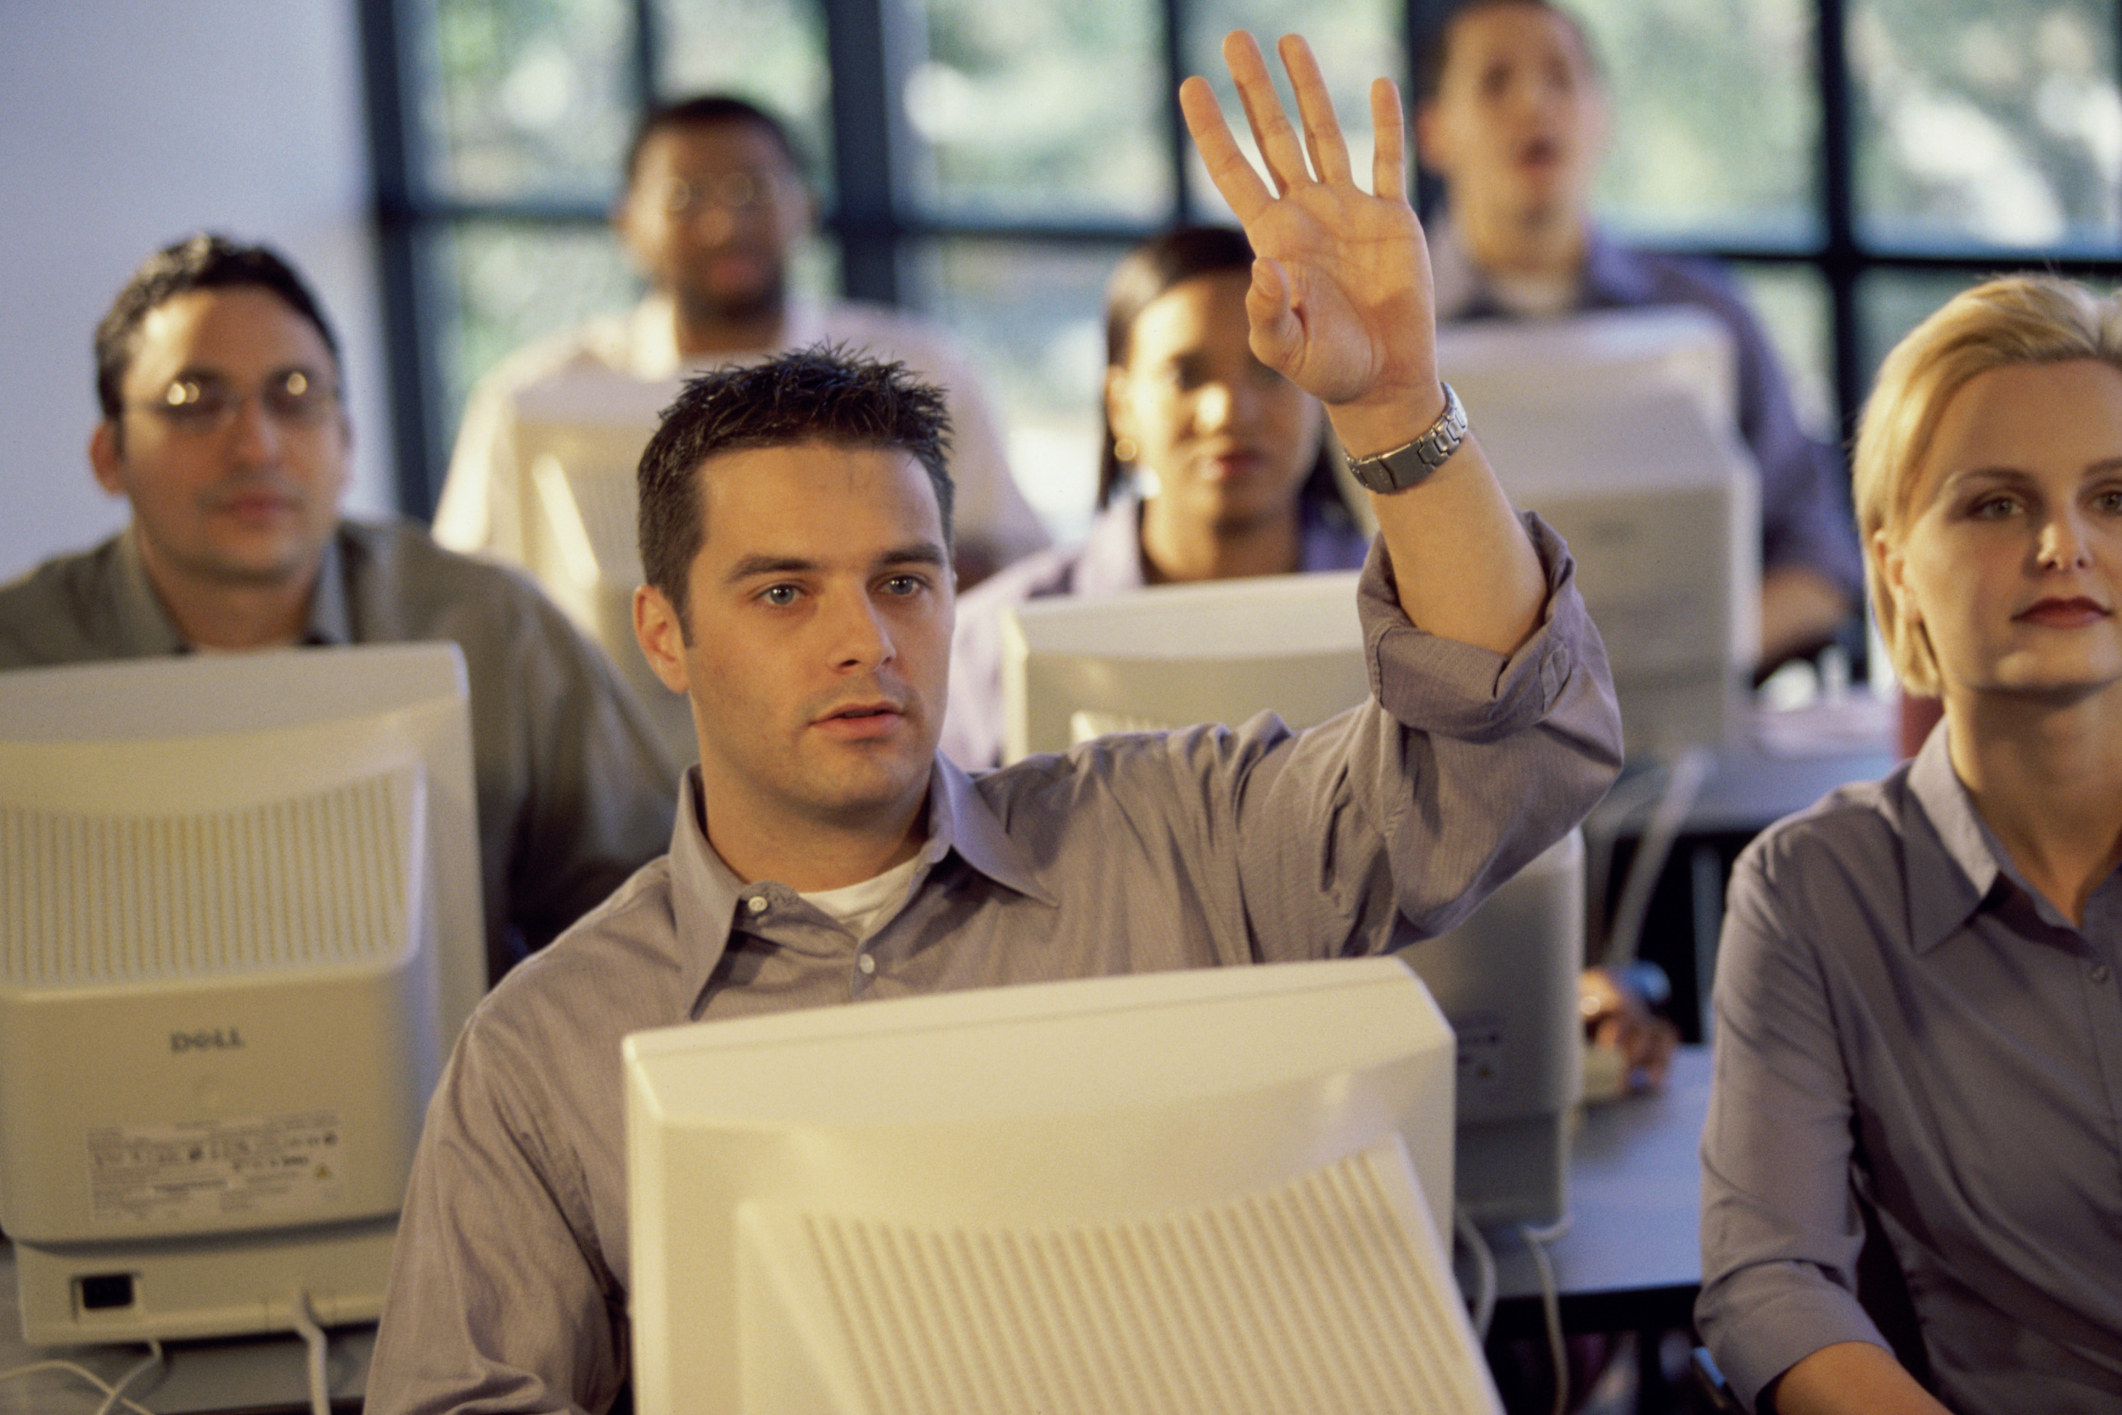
621, 220
105, 458
662, 639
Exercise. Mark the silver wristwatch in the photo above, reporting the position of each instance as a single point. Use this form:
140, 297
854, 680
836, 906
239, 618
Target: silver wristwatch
1408, 466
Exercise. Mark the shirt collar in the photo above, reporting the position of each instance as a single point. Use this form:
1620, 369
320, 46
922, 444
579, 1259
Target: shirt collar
1612, 275
1111, 558
960, 819
331, 619
652, 338
145, 629
1111, 562
1945, 892
706, 893
1460, 291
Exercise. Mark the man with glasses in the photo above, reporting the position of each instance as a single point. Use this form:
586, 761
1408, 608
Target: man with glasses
223, 428
714, 210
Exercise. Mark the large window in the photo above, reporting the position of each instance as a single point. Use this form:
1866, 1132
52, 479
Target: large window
986, 160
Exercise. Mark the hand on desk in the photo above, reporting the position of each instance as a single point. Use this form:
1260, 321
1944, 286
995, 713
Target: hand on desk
1631, 1047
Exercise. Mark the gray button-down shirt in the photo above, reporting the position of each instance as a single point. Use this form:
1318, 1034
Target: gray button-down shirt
574, 792
1130, 854
1805, 515
1899, 1016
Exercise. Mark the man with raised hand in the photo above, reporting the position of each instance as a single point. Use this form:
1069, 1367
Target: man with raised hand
796, 538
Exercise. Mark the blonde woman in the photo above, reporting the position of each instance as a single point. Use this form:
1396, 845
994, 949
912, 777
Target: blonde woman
1918, 1013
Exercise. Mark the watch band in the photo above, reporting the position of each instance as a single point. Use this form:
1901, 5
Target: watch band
1411, 464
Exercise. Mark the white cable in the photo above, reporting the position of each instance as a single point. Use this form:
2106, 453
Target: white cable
1536, 1241
320, 1396
1483, 1306
114, 1396
1683, 783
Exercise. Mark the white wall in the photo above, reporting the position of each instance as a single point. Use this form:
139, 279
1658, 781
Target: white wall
125, 124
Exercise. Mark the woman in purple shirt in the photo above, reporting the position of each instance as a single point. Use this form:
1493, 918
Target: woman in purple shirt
1214, 467
1918, 1028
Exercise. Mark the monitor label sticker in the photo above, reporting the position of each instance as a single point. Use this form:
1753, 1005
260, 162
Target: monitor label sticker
204, 1170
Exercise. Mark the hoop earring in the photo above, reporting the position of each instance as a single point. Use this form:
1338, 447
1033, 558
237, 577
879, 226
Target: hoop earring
1124, 449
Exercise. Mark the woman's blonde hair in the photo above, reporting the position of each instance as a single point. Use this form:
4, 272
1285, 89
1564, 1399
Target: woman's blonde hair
2017, 319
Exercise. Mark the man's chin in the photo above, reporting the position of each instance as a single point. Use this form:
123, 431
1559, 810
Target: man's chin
750, 305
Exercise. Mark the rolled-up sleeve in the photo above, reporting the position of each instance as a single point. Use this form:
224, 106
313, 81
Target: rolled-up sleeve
1500, 755
1395, 820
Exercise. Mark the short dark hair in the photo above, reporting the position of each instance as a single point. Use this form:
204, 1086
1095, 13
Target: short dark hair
1147, 271
1434, 50
205, 261
707, 110
824, 393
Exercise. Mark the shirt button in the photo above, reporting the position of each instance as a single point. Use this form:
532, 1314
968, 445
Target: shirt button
757, 904
866, 963
2099, 972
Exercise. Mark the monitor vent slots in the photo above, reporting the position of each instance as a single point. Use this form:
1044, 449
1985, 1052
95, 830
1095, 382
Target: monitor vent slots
320, 878
1090, 1319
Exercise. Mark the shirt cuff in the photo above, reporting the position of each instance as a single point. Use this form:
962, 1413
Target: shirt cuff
1442, 686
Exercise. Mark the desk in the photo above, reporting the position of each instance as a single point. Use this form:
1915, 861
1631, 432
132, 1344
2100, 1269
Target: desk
265, 1374
1632, 1258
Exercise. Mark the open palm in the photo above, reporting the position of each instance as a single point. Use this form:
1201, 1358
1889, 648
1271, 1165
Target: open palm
1340, 302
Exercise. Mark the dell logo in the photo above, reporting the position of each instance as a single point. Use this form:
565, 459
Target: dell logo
220, 1038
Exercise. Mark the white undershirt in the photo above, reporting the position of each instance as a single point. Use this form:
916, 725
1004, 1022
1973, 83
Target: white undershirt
865, 907
1535, 296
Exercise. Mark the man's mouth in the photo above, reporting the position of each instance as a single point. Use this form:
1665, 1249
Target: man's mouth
256, 503
858, 721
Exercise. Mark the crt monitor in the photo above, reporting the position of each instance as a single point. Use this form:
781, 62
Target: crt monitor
1619, 428
239, 930
1219, 1189
1292, 644
580, 541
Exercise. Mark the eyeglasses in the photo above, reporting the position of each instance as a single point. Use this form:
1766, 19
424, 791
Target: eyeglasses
203, 403
727, 191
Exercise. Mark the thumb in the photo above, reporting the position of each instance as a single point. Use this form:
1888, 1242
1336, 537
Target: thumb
1277, 333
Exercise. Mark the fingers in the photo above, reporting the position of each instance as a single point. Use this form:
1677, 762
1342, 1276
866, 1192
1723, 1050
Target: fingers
1227, 168
1388, 170
1322, 151
1322, 130
1272, 132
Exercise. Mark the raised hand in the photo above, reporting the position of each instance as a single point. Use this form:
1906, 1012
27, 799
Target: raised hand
1340, 304
1340, 301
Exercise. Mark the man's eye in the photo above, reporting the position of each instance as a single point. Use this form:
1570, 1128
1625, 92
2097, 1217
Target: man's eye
779, 596
903, 585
